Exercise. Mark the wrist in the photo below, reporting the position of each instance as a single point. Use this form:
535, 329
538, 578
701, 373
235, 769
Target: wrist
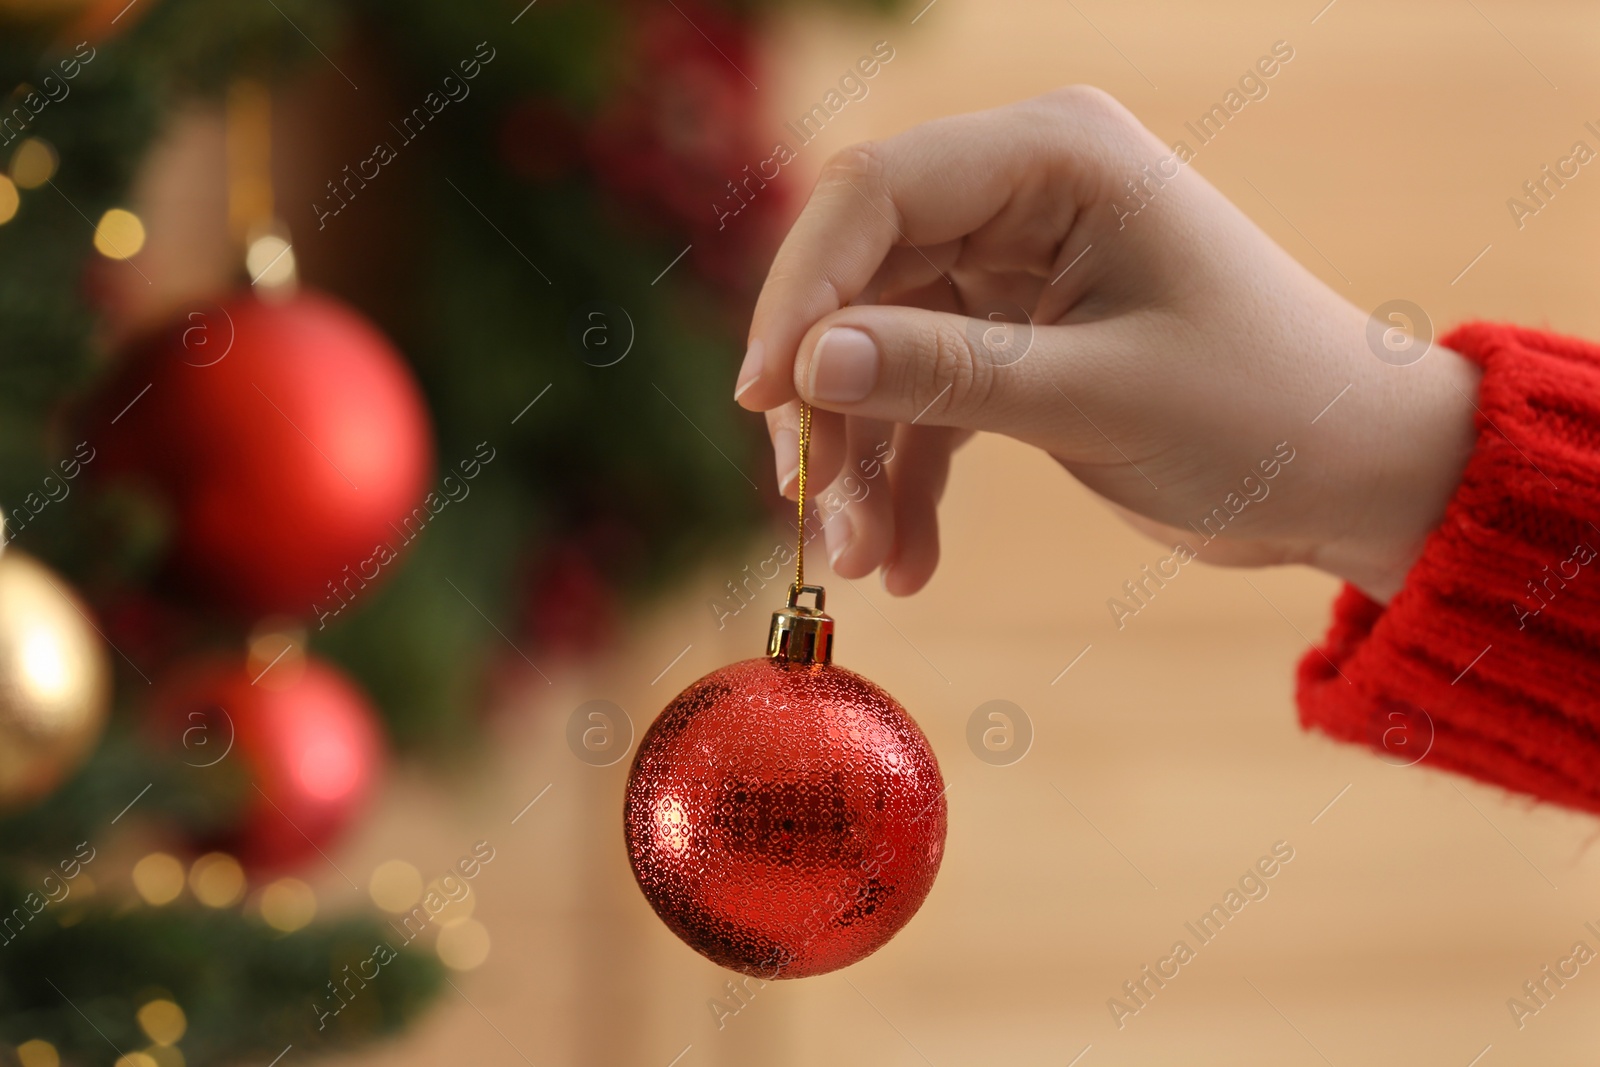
1412, 453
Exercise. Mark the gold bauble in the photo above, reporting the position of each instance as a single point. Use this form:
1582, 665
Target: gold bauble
55, 681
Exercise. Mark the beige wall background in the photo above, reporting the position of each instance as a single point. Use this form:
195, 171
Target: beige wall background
1167, 760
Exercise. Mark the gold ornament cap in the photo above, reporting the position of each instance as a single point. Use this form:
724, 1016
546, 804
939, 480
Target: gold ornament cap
800, 634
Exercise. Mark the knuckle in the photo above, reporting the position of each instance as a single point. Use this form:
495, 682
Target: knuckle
955, 378
1076, 117
1085, 99
856, 164
1085, 110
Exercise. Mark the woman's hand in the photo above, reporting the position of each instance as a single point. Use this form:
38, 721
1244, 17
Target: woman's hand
1050, 271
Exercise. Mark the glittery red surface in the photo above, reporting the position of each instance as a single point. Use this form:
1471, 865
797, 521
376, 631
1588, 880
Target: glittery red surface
785, 820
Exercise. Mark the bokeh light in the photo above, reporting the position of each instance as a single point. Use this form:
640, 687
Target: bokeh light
119, 235
9, 200
464, 945
217, 880
33, 163
277, 656
270, 261
165, 1055
163, 1021
158, 878
37, 1053
395, 885
288, 904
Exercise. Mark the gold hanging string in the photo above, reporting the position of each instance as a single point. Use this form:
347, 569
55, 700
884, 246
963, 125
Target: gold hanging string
800, 505
801, 636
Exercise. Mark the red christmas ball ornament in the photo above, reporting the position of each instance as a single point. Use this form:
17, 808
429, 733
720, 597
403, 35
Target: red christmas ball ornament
288, 440
784, 816
304, 735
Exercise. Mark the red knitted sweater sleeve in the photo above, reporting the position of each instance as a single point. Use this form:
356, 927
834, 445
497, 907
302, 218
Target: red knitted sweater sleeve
1488, 659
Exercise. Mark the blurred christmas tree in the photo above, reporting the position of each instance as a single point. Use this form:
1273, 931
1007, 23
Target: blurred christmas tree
569, 316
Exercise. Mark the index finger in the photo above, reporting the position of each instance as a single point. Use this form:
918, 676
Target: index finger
930, 186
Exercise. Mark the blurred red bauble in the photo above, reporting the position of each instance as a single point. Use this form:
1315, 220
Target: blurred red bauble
785, 818
572, 608
288, 440
304, 735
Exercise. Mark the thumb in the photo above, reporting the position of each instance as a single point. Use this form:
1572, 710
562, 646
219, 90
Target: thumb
935, 368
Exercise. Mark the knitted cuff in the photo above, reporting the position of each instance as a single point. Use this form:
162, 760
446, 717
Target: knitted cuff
1487, 662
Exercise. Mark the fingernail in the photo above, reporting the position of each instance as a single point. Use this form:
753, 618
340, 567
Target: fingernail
750, 369
786, 453
845, 366
836, 535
